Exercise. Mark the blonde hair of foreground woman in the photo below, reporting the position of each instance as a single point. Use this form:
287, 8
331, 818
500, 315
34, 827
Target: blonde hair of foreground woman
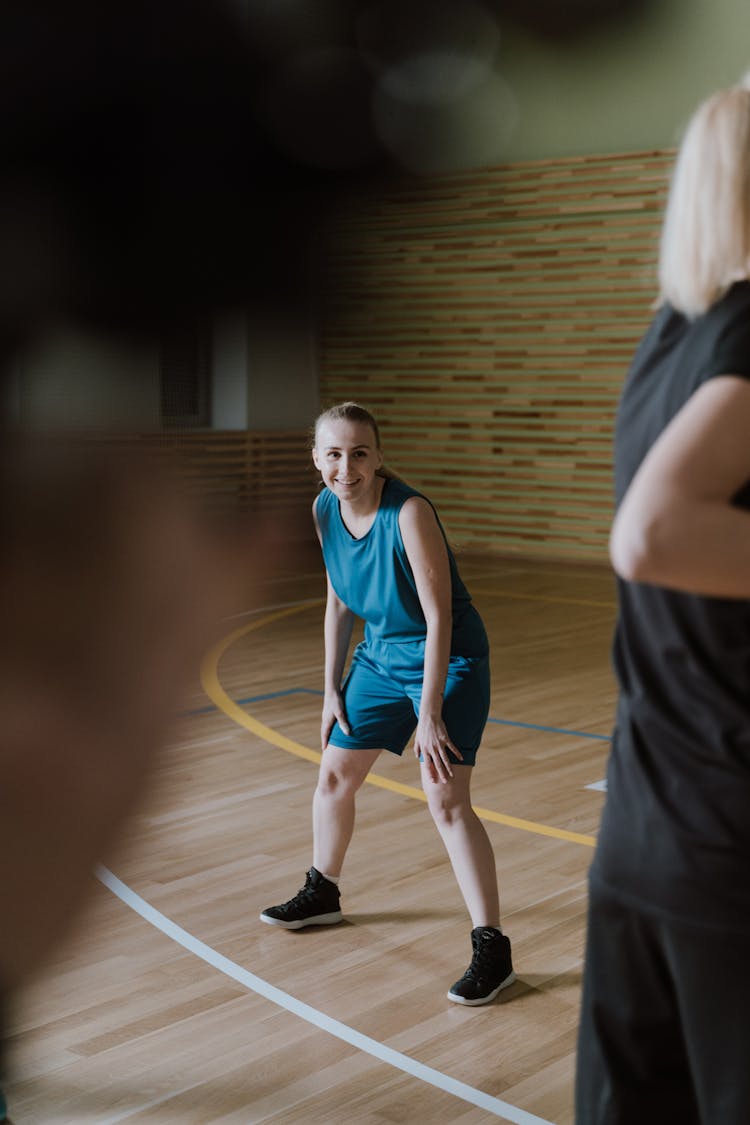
705, 242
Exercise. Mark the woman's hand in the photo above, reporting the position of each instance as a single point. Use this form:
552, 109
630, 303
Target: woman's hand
433, 742
333, 711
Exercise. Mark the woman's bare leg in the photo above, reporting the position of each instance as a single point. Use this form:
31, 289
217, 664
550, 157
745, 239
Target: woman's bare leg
466, 842
341, 775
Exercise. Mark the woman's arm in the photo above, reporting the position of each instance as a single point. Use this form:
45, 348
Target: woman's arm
337, 631
676, 525
428, 557
337, 635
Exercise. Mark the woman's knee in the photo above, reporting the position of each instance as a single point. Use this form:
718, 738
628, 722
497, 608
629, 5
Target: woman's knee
342, 772
445, 808
332, 783
339, 781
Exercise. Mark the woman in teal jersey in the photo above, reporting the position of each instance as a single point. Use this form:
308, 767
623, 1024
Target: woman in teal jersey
423, 666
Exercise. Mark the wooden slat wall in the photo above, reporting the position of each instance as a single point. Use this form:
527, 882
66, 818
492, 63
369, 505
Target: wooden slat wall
488, 319
243, 471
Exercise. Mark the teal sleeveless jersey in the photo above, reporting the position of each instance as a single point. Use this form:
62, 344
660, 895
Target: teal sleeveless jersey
373, 576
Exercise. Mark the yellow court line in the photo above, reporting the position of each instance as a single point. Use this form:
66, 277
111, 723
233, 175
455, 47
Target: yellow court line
216, 693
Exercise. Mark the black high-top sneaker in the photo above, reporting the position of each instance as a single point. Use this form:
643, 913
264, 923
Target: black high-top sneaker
490, 971
317, 904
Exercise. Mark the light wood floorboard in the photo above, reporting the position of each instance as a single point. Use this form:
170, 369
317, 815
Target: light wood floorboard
127, 1025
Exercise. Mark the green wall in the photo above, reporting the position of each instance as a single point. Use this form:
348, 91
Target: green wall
500, 95
628, 90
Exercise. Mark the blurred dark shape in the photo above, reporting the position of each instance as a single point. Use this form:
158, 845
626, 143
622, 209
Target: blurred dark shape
161, 156
112, 585
393, 29
568, 20
137, 181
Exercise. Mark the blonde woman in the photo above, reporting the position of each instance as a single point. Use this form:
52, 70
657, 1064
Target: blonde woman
665, 1027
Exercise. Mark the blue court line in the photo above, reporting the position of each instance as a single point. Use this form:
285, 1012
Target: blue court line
253, 699
555, 730
311, 691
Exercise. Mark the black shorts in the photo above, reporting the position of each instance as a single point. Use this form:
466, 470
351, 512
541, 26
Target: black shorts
665, 1021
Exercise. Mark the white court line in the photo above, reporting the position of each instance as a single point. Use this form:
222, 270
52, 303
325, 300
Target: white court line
600, 786
410, 1066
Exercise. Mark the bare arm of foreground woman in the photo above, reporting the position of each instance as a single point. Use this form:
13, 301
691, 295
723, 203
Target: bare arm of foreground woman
677, 525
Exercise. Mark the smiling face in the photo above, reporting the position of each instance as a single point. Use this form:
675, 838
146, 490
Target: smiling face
347, 456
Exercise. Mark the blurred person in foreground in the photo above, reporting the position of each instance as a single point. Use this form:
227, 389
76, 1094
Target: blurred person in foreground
665, 1027
112, 584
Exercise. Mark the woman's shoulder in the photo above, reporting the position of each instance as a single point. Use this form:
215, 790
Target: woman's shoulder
322, 501
322, 509
410, 508
396, 492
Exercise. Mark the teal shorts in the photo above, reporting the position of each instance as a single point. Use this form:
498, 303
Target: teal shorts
382, 693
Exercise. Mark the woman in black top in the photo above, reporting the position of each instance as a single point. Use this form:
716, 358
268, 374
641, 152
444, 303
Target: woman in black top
665, 1027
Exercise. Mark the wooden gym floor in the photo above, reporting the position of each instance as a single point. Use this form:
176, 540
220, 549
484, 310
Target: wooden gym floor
173, 1003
